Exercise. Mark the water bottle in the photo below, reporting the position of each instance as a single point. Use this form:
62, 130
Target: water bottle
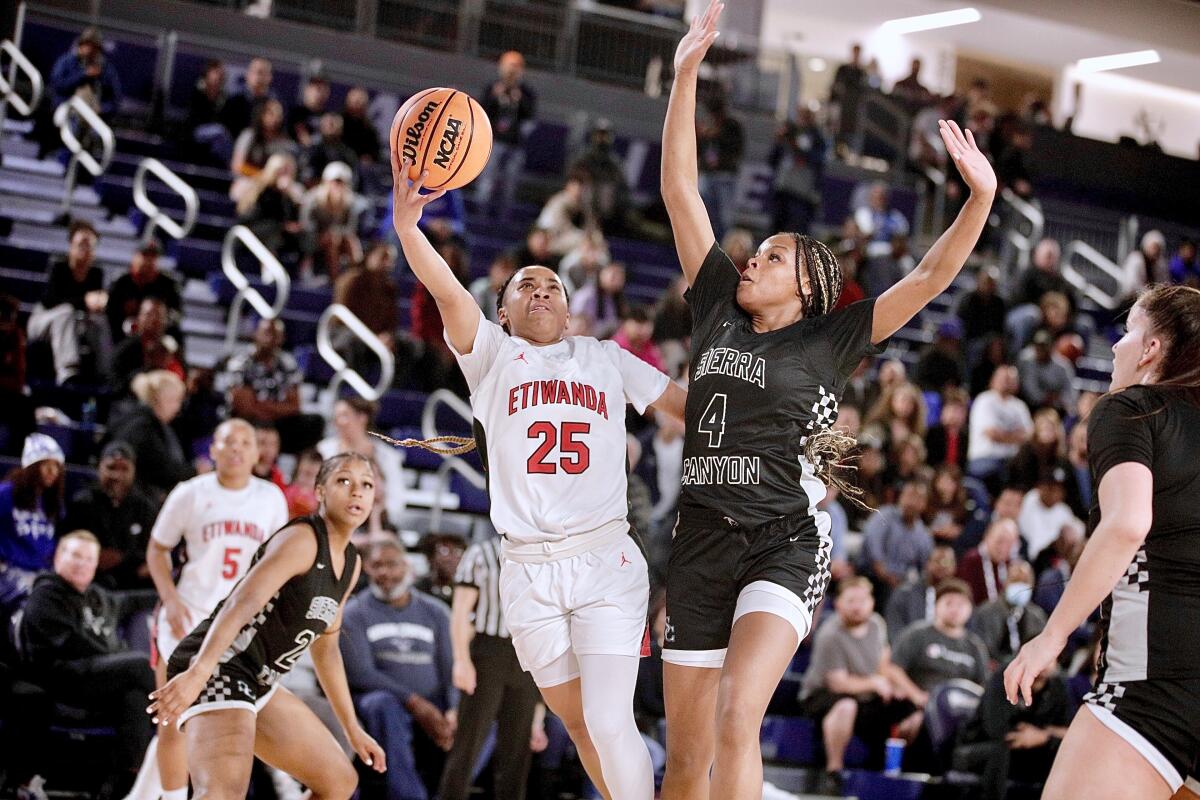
87, 415
893, 754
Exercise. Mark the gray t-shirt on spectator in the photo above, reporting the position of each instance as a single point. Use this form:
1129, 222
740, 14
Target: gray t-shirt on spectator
930, 657
902, 548
836, 647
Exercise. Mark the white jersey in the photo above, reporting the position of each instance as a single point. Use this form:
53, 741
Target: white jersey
553, 429
221, 528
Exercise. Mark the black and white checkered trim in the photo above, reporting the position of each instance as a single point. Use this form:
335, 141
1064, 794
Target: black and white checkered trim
1105, 695
818, 581
825, 411
1138, 575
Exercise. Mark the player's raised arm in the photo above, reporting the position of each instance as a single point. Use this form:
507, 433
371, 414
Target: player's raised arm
680, 172
942, 263
460, 312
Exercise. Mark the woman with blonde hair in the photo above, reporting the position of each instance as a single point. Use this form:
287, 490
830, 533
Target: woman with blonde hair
161, 460
269, 204
1045, 450
898, 413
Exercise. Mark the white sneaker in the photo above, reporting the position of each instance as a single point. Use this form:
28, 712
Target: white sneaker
34, 790
773, 792
286, 787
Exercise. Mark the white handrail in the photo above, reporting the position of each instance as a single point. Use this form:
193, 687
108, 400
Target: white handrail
85, 113
156, 217
1101, 262
271, 271
1037, 225
457, 464
343, 372
9, 91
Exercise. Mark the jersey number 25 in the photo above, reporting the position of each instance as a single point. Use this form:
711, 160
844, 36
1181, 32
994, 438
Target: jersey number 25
575, 456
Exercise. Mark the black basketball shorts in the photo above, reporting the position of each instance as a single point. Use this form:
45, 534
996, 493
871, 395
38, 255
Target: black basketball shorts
719, 570
1160, 718
232, 685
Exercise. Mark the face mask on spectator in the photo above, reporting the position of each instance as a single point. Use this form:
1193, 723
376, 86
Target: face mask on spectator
1018, 594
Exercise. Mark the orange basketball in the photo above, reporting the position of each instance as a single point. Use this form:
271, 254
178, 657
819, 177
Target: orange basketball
444, 132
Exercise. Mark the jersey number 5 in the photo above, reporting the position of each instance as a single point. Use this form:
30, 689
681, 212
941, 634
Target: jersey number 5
712, 421
229, 567
575, 454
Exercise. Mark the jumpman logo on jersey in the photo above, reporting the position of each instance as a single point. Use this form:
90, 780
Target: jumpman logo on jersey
624, 560
522, 357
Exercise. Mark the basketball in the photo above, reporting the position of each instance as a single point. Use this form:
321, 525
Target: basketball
444, 132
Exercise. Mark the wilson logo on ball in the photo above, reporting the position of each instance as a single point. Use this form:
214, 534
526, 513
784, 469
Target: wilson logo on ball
415, 132
443, 134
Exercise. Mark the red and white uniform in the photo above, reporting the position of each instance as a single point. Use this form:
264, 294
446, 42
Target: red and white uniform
551, 424
221, 528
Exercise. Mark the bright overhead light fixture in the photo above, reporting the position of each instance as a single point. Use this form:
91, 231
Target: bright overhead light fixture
1118, 61
817, 64
929, 22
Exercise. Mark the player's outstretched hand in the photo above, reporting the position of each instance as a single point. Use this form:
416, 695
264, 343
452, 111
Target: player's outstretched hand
175, 697
972, 164
695, 43
407, 200
368, 749
1037, 654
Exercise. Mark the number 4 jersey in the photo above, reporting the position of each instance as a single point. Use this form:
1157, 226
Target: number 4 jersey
220, 529
550, 425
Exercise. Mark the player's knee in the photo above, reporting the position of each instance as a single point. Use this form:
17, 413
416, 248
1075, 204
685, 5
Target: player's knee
691, 756
737, 723
608, 723
340, 781
842, 714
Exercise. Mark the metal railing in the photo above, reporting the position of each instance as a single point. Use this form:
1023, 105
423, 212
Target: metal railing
1097, 272
80, 154
343, 372
1022, 213
450, 464
8, 88
270, 270
155, 216
882, 121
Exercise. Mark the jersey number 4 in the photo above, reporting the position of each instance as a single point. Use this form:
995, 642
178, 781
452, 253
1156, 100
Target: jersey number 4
575, 454
712, 421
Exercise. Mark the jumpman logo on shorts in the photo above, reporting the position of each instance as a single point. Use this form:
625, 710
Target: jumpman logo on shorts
624, 560
522, 357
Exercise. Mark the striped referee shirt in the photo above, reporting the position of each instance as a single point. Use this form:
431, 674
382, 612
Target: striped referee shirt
480, 569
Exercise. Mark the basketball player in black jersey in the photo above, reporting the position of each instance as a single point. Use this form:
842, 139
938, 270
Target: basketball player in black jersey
750, 558
223, 678
1138, 733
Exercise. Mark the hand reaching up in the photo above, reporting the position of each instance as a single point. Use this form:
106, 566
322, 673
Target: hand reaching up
695, 43
972, 164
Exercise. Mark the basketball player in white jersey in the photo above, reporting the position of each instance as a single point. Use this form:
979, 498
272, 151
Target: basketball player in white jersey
550, 426
221, 517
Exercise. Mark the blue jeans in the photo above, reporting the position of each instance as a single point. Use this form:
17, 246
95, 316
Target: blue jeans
717, 189
504, 167
384, 717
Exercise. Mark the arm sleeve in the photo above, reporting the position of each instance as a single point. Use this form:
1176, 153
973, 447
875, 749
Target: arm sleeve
475, 364
1119, 431
361, 673
715, 284
173, 519
66, 76
643, 383
847, 336
466, 574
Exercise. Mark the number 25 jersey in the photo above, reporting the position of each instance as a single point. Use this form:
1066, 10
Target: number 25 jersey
550, 426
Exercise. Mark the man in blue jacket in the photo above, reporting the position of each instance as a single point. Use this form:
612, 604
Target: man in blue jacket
396, 646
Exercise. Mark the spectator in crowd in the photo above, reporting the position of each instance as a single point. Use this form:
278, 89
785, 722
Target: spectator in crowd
985, 568
949, 504
161, 460
352, 418
84, 72
1011, 147
443, 551
946, 442
896, 541
1185, 267
914, 601
493, 685
266, 436
567, 216
982, 312
1080, 491
120, 514
261, 384
720, 144
636, 335
304, 118
206, 118
909, 90
932, 653
605, 177
1056, 316
270, 206
330, 215
31, 503
143, 280
941, 365
69, 635
485, 288
148, 346
70, 315
839, 527
1011, 620
535, 250
1045, 518
328, 148
878, 221
849, 84
1144, 266
1045, 450
848, 688
1000, 423
906, 461
396, 646
241, 108
598, 308
738, 244
436, 363
884, 268
898, 413
372, 294
255, 145
358, 131
673, 325
993, 356
1004, 741
798, 161
301, 493
1043, 276
18, 421
511, 105
665, 456
1047, 379
581, 265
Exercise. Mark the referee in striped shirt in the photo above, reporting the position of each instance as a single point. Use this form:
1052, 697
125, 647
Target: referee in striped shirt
493, 685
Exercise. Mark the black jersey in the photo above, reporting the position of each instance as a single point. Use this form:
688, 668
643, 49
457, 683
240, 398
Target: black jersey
290, 621
1150, 619
754, 398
